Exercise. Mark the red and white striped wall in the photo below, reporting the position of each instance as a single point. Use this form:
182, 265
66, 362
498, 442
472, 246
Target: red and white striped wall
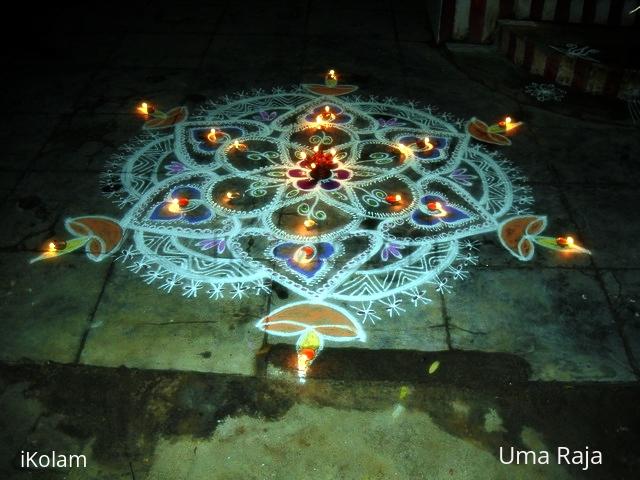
566, 70
475, 20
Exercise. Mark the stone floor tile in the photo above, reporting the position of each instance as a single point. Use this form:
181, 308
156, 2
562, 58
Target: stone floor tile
557, 320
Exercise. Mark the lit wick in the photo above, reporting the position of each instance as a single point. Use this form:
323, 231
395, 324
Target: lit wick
309, 224
211, 136
174, 206
56, 246
238, 146
231, 196
565, 242
331, 79
304, 254
434, 206
427, 144
305, 357
327, 115
146, 109
394, 199
506, 125
436, 209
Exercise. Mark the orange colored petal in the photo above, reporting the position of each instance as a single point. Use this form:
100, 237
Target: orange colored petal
106, 234
324, 319
173, 117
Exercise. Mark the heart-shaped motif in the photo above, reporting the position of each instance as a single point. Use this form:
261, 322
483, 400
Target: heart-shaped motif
335, 260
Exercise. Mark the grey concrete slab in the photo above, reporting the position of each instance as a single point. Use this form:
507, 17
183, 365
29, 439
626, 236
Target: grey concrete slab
188, 16
362, 23
261, 56
42, 200
46, 306
24, 136
85, 142
73, 49
8, 180
557, 320
604, 153
611, 230
40, 90
139, 326
280, 19
20, 415
412, 24
623, 288
122, 89
164, 50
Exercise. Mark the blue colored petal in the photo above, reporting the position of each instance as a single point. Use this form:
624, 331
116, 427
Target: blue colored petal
453, 214
198, 214
424, 219
186, 192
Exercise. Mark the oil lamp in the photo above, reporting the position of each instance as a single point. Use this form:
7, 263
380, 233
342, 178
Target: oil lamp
56, 245
230, 196
424, 144
434, 206
565, 242
327, 115
145, 109
321, 163
394, 199
305, 357
174, 206
331, 78
304, 254
504, 126
238, 146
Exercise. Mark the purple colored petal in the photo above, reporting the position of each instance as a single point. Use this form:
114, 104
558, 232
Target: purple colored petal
297, 173
341, 174
307, 184
175, 167
330, 184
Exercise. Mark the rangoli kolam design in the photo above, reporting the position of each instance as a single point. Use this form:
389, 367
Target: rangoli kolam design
364, 207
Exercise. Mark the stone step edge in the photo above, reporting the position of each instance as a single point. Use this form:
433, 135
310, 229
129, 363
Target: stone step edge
569, 71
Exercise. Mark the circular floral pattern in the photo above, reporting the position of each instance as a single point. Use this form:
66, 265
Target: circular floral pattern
355, 200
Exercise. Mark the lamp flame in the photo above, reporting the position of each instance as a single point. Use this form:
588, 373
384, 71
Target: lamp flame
174, 206
211, 136
144, 108
52, 247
